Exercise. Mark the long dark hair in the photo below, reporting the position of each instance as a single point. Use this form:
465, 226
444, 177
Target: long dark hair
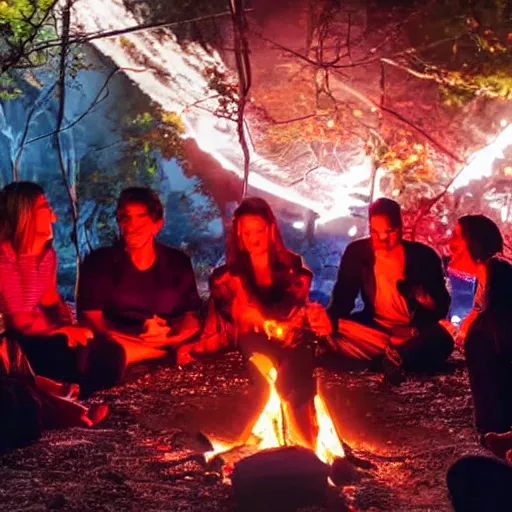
283, 263
482, 236
17, 214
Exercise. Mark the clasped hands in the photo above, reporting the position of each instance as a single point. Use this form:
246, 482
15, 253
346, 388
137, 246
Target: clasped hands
156, 331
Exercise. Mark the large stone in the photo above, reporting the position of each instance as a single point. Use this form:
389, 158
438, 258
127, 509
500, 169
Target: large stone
280, 479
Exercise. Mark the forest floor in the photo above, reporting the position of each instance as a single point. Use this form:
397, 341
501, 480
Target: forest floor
145, 456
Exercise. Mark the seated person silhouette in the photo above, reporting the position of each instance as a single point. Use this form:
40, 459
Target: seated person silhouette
403, 288
139, 292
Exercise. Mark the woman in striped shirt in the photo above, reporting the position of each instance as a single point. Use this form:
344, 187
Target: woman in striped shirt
34, 313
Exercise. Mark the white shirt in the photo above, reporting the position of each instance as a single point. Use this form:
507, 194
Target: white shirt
390, 307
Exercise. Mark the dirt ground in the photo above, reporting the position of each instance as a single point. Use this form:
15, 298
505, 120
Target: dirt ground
147, 455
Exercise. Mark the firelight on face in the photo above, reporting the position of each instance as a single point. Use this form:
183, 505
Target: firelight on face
384, 236
461, 260
136, 226
254, 234
44, 218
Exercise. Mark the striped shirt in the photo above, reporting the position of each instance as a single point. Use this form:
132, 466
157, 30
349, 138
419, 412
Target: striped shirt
24, 280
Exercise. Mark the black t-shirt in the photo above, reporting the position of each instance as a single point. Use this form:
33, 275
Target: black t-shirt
110, 282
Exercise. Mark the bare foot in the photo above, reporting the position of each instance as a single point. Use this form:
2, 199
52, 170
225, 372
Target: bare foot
70, 391
96, 414
499, 444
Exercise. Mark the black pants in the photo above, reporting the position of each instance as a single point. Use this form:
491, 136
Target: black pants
428, 350
101, 363
425, 351
295, 382
480, 484
490, 379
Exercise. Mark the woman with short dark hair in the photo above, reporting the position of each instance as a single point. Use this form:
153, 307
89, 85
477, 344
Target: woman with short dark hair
486, 332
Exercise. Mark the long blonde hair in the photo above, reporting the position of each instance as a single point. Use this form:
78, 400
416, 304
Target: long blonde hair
17, 214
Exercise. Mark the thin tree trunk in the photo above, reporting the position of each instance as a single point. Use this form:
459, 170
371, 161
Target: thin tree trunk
243, 66
61, 86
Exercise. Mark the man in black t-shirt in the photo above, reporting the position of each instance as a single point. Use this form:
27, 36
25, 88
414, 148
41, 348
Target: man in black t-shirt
139, 292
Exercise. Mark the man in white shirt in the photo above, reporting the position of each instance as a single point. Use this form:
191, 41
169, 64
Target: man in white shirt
404, 292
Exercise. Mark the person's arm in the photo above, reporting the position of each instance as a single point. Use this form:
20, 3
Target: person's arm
55, 314
21, 313
94, 286
96, 321
213, 336
347, 286
185, 324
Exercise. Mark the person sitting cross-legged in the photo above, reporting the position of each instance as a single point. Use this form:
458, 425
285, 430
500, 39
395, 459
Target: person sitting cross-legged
403, 288
140, 293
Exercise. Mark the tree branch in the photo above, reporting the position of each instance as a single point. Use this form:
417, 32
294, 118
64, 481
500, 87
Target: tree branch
243, 66
22, 144
21, 51
78, 38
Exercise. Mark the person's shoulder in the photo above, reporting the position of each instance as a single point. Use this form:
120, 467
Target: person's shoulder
7, 254
359, 246
499, 265
172, 255
102, 258
221, 274
49, 256
105, 252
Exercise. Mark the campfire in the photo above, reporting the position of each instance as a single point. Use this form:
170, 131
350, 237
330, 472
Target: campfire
287, 448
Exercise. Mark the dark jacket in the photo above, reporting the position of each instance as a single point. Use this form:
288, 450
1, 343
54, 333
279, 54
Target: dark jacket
423, 267
496, 318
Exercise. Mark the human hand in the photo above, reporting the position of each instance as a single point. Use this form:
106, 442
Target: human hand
318, 319
76, 335
423, 297
70, 391
251, 318
156, 330
184, 354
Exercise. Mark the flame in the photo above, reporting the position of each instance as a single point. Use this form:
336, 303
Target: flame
218, 447
274, 428
328, 444
270, 424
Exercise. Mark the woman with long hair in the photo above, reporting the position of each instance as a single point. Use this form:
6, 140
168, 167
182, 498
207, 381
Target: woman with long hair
33, 310
34, 314
486, 333
259, 302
